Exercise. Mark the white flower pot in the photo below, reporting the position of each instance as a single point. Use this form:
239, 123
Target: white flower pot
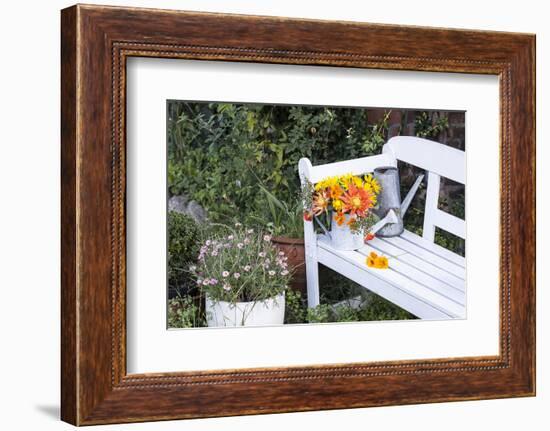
342, 238
259, 313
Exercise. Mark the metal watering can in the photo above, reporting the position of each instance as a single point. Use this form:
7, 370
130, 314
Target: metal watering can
390, 208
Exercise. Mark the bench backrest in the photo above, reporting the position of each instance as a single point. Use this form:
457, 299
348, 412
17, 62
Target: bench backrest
437, 159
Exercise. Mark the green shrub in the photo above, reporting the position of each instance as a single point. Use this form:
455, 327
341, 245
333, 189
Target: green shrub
183, 249
375, 308
218, 153
378, 308
184, 313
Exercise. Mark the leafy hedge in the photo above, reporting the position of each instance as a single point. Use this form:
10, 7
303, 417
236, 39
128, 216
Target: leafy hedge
218, 153
183, 249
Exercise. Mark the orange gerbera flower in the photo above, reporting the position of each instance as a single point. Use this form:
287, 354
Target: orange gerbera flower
339, 218
321, 200
357, 201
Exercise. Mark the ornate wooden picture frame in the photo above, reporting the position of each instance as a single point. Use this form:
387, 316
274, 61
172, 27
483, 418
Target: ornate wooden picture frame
96, 41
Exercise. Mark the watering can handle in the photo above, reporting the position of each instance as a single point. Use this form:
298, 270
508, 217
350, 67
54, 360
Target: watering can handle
407, 201
325, 230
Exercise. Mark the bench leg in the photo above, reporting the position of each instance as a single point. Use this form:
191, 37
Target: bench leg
312, 274
312, 268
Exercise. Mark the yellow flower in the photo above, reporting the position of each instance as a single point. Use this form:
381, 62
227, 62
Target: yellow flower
326, 183
346, 180
337, 204
372, 183
381, 262
375, 261
357, 181
373, 199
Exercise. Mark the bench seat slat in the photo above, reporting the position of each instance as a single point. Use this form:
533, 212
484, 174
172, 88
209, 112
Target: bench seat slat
428, 280
392, 293
434, 259
420, 264
434, 248
396, 279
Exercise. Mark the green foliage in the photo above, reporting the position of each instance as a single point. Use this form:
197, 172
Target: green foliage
430, 124
294, 307
279, 217
263, 144
183, 312
378, 308
183, 249
375, 308
296, 310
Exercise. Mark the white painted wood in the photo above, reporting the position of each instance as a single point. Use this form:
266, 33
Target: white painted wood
356, 166
356, 265
431, 258
440, 159
430, 208
314, 174
423, 278
386, 247
392, 293
419, 263
429, 280
450, 223
434, 248
310, 243
312, 266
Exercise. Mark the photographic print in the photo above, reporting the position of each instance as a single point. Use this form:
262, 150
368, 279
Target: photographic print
290, 214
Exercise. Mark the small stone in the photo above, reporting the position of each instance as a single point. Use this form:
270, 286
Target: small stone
182, 205
178, 204
196, 212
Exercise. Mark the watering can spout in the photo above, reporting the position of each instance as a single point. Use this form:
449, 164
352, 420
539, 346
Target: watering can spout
407, 201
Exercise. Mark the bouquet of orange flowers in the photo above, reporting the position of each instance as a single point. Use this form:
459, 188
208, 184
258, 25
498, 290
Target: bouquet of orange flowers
347, 198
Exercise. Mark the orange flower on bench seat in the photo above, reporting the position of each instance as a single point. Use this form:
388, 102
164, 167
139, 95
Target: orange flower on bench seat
375, 261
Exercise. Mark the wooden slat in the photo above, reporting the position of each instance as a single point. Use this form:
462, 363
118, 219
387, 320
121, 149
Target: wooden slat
392, 293
430, 207
428, 280
354, 166
428, 256
386, 247
440, 159
398, 280
450, 223
434, 248
418, 263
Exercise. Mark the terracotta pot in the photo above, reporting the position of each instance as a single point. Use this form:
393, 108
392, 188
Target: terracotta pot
295, 250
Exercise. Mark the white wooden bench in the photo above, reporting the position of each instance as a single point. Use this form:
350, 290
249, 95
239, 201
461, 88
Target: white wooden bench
423, 278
